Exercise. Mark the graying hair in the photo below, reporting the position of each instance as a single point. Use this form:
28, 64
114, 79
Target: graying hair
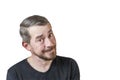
28, 22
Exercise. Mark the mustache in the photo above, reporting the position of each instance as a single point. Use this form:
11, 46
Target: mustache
49, 48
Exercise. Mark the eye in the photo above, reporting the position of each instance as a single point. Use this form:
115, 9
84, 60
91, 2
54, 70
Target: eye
40, 40
50, 35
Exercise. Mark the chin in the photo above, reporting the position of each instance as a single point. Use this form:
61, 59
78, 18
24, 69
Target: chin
51, 57
48, 57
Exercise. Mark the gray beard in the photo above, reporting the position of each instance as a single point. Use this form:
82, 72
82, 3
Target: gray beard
43, 57
46, 58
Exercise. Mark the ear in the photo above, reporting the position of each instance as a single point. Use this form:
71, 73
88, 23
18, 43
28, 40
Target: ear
26, 45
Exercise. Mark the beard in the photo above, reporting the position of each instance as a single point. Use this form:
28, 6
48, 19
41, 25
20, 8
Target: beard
47, 54
52, 56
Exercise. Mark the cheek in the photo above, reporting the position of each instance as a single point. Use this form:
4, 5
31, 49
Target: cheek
37, 46
54, 40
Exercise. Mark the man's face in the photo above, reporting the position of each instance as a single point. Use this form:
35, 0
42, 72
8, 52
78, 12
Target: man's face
42, 43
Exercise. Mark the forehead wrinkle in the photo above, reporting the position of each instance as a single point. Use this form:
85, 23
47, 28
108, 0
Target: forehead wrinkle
50, 31
39, 36
36, 28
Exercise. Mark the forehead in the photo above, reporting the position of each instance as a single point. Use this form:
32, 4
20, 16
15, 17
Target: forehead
39, 30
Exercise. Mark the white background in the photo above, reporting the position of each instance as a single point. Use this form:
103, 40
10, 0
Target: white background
86, 30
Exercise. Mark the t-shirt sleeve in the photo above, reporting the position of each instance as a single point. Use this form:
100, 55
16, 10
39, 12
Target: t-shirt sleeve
12, 74
75, 72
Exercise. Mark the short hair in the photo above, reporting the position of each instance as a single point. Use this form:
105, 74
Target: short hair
28, 22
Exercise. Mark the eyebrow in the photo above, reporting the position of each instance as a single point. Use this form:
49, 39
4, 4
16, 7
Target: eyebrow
50, 31
42, 35
39, 36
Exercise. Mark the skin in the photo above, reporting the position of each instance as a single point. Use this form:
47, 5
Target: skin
42, 46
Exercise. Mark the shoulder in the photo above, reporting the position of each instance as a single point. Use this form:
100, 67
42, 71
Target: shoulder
66, 60
17, 66
67, 63
13, 71
70, 66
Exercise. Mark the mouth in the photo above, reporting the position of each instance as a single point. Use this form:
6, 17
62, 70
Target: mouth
48, 50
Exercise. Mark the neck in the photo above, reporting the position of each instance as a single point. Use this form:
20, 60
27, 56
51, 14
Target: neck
39, 64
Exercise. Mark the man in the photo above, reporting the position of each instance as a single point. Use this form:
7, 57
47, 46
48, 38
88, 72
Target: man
43, 64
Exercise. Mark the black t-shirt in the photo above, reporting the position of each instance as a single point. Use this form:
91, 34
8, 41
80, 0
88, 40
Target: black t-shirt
62, 68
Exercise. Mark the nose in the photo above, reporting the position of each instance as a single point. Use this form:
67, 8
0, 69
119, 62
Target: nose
48, 42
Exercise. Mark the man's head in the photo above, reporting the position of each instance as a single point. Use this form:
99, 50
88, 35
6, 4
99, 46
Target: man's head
31, 21
38, 38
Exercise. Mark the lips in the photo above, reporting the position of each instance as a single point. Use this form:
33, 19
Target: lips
48, 50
